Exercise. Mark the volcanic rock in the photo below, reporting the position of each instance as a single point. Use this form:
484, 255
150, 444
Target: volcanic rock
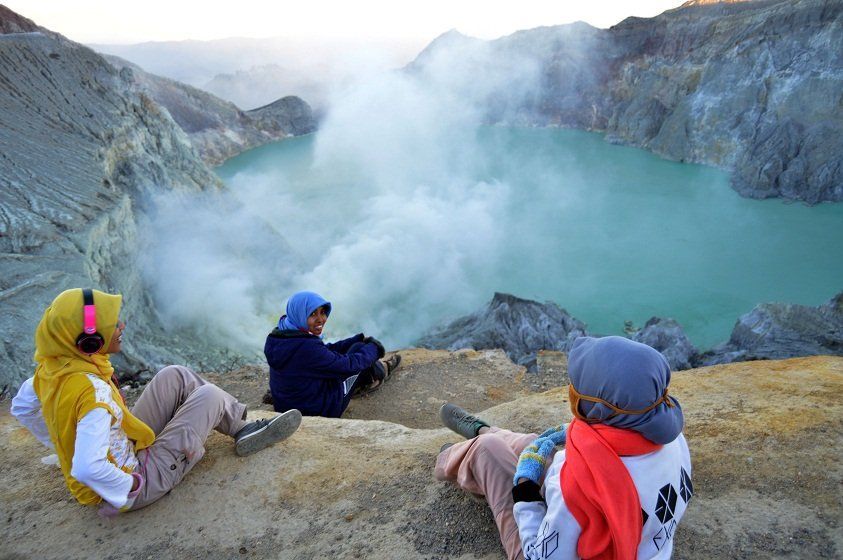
782, 330
667, 336
518, 326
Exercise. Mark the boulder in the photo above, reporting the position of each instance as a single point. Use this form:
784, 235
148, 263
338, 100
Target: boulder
518, 326
783, 330
667, 336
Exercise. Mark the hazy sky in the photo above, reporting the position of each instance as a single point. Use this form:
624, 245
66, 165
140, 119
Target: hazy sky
116, 21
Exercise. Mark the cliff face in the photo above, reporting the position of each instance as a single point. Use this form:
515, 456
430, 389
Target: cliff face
217, 128
754, 87
82, 153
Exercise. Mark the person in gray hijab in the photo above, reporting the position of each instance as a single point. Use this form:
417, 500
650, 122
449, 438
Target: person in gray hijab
613, 483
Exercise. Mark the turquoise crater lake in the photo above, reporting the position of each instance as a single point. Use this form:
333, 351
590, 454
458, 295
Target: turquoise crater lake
411, 240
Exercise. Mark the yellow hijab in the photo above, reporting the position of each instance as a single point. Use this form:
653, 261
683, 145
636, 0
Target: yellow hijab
61, 377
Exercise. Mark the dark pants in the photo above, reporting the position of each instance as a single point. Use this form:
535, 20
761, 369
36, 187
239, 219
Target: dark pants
367, 376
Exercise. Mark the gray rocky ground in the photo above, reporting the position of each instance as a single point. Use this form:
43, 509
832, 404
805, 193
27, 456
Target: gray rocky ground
80, 154
765, 438
754, 87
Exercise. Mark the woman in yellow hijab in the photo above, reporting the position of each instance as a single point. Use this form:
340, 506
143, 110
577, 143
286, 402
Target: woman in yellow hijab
108, 453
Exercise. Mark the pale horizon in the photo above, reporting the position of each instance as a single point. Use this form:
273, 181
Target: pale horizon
95, 21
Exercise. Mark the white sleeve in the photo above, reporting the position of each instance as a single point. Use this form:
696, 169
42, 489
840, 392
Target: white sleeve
27, 409
547, 529
90, 464
528, 517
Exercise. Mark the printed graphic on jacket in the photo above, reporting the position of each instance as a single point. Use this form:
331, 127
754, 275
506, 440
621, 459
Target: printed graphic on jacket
119, 446
666, 506
545, 545
348, 384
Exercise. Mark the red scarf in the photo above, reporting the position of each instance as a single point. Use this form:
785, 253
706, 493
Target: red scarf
599, 490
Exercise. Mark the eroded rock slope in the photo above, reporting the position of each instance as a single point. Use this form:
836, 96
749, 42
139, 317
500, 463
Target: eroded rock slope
218, 129
83, 153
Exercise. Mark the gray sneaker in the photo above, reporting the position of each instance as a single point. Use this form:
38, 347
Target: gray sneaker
460, 421
260, 434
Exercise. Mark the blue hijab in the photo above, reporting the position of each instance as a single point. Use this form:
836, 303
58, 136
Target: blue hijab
299, 307
629, 375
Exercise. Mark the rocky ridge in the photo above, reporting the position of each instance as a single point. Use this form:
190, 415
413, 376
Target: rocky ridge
218, 129
348, 488
518, 326
83, 154
753, 87
524, 328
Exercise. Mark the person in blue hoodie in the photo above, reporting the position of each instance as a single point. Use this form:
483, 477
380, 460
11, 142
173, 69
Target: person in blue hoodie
316, 378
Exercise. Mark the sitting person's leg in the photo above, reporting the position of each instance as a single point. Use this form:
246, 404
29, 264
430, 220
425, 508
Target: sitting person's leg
373, 377
168, 390
198, 408
484, 465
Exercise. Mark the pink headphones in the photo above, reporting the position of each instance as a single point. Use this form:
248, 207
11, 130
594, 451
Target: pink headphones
89, 340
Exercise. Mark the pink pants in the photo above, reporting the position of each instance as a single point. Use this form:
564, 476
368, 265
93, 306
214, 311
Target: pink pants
485, 466
182, 409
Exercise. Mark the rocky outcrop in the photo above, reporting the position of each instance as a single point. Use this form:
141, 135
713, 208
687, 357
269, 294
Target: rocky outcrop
11, 22
217, 128
778, 330
524, 329
84, 155
348, 488
289, 114
667, 336
518, 326
753, 87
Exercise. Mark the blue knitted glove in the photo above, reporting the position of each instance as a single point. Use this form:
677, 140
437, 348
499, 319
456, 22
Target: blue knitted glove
533, 460
556, 434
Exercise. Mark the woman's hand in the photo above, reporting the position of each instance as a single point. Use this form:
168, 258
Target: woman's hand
376, 342
533, 459
556, 434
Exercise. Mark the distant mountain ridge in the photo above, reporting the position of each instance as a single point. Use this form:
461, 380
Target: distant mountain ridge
755, 87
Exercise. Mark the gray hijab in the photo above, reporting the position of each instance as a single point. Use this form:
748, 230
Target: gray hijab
629, 375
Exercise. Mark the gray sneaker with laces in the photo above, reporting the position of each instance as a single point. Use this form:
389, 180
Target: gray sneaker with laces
260, 434
460, 421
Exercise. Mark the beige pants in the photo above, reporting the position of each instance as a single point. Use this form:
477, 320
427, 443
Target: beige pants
182, 409
485, 466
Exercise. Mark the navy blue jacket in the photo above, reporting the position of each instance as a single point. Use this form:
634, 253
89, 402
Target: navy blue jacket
307, 374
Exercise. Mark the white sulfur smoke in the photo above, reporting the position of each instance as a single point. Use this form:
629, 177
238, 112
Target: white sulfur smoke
409, 230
